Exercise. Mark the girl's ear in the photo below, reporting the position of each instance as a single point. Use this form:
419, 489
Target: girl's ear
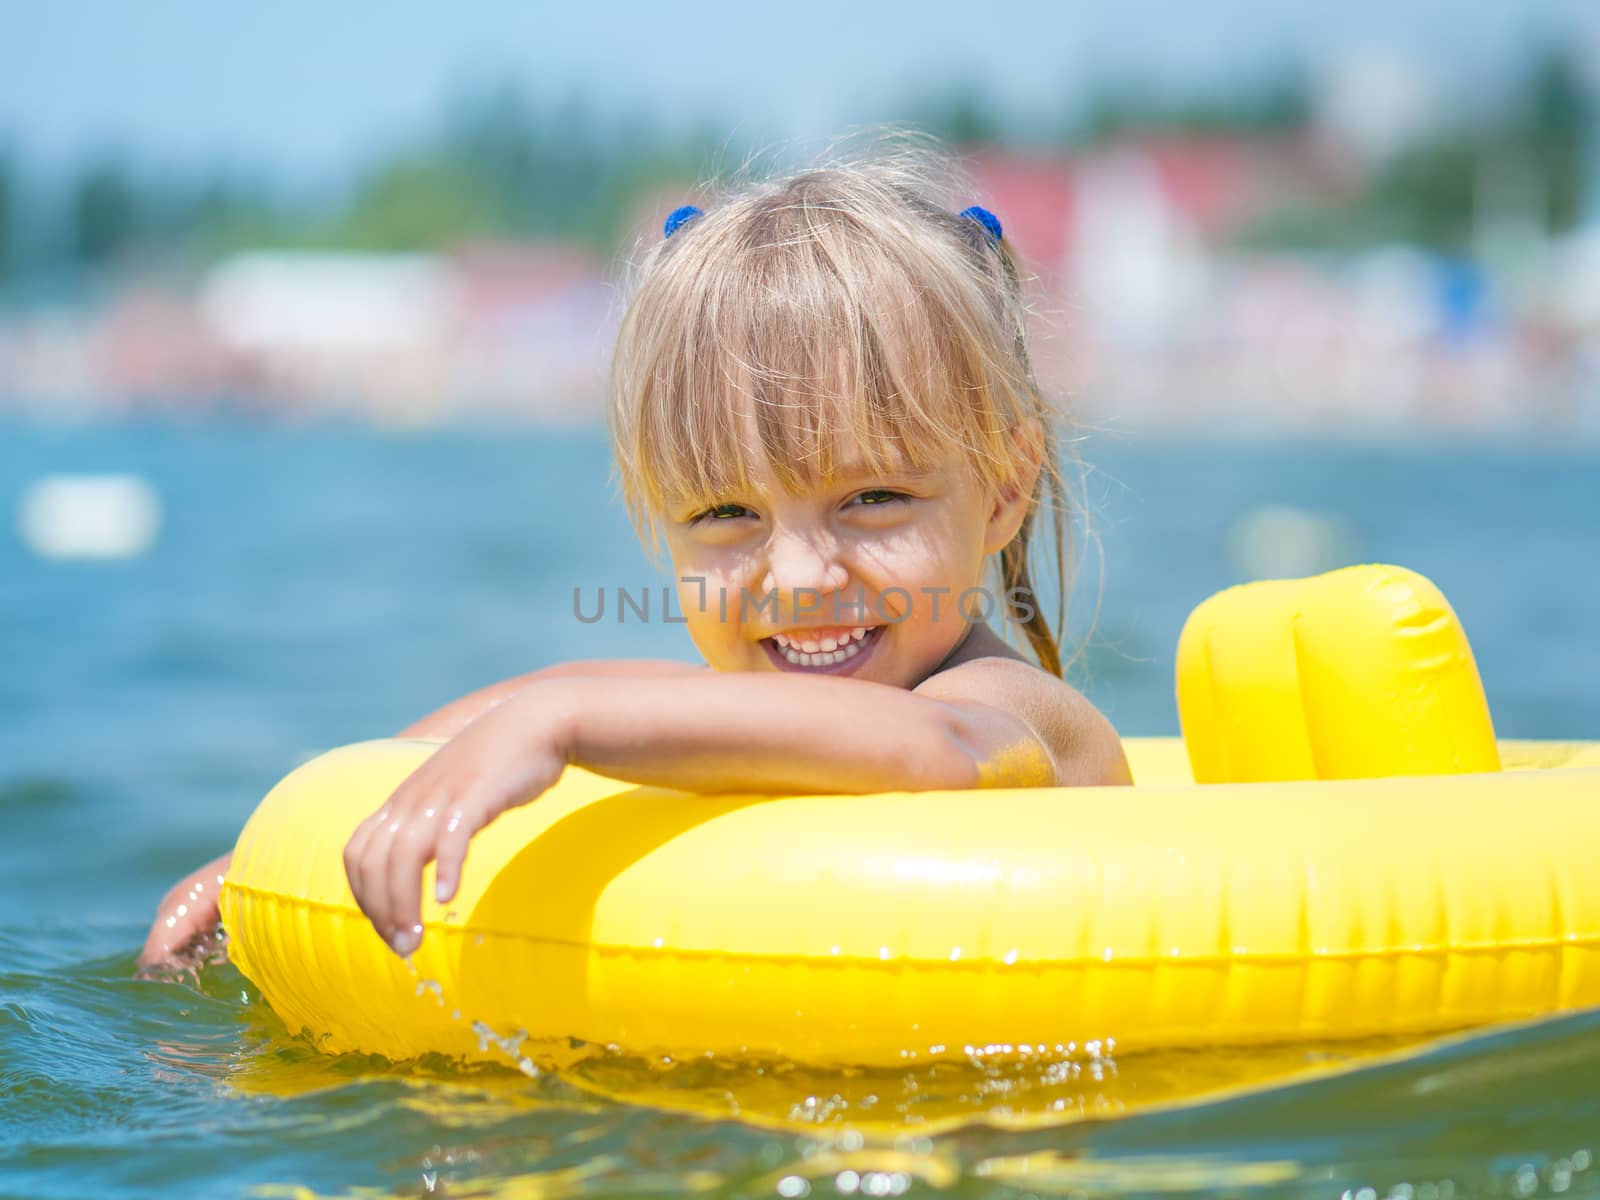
1011, 503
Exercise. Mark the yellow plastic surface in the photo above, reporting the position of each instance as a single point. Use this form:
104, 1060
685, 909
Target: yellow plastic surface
869, 929
1360, 673
878, 929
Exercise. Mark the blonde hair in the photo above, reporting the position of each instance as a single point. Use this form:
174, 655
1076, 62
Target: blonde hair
848, 312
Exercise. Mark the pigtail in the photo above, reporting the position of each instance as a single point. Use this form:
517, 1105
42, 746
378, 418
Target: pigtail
1022, 603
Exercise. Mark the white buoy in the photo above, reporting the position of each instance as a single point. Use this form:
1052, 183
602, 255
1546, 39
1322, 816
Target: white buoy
89, 517
1279, 541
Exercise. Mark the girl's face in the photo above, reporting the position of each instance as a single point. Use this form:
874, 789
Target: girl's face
860, 576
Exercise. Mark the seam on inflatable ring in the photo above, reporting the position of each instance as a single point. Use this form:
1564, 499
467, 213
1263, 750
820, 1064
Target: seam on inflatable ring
970, 965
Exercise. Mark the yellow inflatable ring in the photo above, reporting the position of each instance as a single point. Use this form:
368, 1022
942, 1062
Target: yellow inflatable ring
876, 929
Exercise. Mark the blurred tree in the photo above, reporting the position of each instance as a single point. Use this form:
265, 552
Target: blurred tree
226, 212
1557, 119
492, 137
500, 165
1434, 193
414, 204
105, 212
1427, 194
1281, 104
963, 117
558, 172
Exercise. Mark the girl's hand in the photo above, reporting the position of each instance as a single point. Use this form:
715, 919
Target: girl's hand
508, 756
188, 912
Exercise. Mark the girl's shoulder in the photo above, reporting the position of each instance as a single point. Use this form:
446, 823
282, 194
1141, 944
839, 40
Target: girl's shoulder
1060, 716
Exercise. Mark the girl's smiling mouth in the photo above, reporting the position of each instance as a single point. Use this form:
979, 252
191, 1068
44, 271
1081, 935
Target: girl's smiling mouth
832, 651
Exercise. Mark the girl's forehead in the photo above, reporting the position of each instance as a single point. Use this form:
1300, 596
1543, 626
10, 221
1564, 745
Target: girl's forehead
763, 434
821, 445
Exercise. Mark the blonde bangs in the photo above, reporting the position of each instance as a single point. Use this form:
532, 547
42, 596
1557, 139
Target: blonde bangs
798, 336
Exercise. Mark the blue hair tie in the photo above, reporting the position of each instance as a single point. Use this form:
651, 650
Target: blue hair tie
987, 219
678, 218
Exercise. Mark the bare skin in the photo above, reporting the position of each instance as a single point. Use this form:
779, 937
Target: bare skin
714, 732
1058, 732
188, 912
891, 698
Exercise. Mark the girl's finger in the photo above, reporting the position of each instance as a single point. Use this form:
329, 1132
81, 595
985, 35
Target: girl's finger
450, 855
375, 856
352, 863
355, 862
410, 850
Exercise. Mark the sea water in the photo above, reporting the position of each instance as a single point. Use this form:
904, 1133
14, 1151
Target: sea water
311, 587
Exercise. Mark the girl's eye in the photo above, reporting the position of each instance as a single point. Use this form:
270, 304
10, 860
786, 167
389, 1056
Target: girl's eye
878, 497
721, 512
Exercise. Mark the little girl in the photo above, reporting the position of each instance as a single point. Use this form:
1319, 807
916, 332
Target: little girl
821, 401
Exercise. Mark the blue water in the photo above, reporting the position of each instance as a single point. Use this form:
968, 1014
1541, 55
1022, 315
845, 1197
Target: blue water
318, 586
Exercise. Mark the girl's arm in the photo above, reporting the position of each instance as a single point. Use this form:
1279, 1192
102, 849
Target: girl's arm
187, 912
450, 720
189, 909
713, 732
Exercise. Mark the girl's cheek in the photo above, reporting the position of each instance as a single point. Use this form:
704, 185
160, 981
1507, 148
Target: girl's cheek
708, 594
899, 566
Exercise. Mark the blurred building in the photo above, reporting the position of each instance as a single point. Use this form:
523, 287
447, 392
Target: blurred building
1156, 305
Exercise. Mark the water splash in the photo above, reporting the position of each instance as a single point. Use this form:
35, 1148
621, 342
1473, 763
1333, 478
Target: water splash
510, 1044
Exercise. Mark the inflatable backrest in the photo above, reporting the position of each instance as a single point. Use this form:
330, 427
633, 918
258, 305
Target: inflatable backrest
1359, 673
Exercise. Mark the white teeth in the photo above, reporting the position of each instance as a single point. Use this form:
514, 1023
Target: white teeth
825, 645
832, 650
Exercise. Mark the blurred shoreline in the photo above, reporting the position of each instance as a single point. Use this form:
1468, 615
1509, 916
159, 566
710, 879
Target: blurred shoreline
1370, 344
1342, 259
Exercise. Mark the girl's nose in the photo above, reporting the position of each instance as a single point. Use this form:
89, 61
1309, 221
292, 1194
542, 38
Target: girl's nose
796, 561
